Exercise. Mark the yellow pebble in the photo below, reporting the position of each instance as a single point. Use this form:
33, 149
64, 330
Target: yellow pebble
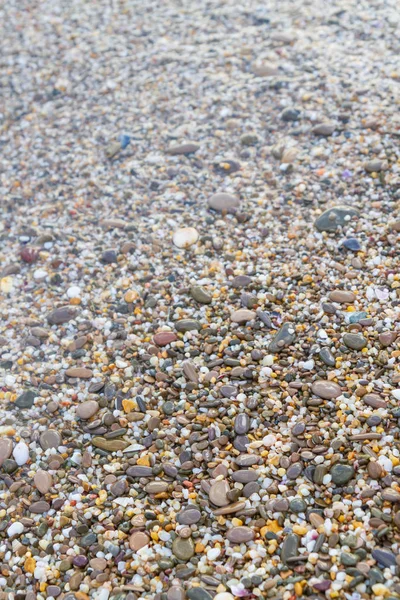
298, 588
236, 522
299, 529
199, 548
380, 590
144, 461
128, 405
30, 565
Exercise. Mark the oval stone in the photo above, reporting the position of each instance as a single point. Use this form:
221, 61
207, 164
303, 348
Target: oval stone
50, 439
222, 201
240, 534
138, 540
342, 297
326, 389
163, 338
183, 548
87, 409
243, 315
6, 448
218, 493
43, 481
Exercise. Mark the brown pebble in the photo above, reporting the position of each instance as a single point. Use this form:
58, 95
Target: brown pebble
138, 540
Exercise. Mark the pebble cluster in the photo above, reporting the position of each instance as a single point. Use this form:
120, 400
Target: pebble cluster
200, 300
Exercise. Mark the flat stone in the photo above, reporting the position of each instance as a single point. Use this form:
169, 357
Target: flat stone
294, 471
218, 493
341, 474
198, 593
53, 590
6, 448
185, 325
238, 535
176, 593
342, 296
87, 409
183, 548
186, 148
290, 114
387, 338
163, 338
247, 460
241, 281
335, 217
228, 391
43, 481
231, 508
138, 540
316, 519
354, 341
324, 129
243, 315
245, 475
40, 507
139, 471
156, 487
390, 495
327, 357
374, 401
283, 338
109, 445
26, 399
223, 202
98, 564
374, 166
62, 315
190, 371
265, 70
241, 424
290, 547
50, 439
200, 295
189, 516
79, 373
384, 557
326, 389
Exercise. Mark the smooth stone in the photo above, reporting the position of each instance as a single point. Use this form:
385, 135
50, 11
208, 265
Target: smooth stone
241, 281
189, 516
316, 519
290, 114
176, 593
185, 325
342, 296
354, 341
285, 337
342, 474
40, 507
156, 487
356, 317
200, 295
297, 505
26, 399
98, 564
228, 391
335, 217
352, 244
390, 495
185, 237
243, 315
6, 448
241, 442
327, 357
79, 373
43, 481
138, 540
241, 424
231, 508
326, 389
324, 129
246, 460
198, 593
294, 471
190, 371
374, 401
109, 445
374, 166
87, 409
223, 202
88, 540
387, 338
384, 557
245, 476
163, 338
183, 548
185, 148
50, 439
52, 590
62, 315
238, 535
109, 257
290, 547
298, 429
218, 493
250, 488
265, 70
139, 471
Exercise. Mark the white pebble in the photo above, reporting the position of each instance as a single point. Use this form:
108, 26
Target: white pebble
39, 274
224, 596
74, 291
396, 394
21, 453
15, 529
213, 553
386, 463
185, 237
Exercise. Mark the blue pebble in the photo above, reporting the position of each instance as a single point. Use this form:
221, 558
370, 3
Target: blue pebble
124, 140
352, 244
357, 316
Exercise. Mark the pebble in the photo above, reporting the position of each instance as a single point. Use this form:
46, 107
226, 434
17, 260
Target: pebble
324, 129
26, 399
238, 535
6, 448
185, 237
342, 297
354, 341
326, 389
218, 493
342, 474
79, 373
335, 217
50, 439
289, 547
43, 481
186, 148
285, 337
61, 315
223, 202
138, 540
164, 338
183, 548
200, 295
87, 409
21, 453
243, 315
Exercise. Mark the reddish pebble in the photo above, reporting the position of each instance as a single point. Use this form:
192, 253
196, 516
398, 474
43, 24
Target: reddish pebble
164, 338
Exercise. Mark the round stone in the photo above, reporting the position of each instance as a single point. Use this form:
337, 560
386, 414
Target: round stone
138, 540
87, 409
189, 516
218, 493
185, 237
50, 439
342, 474
43, 481
183, 548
